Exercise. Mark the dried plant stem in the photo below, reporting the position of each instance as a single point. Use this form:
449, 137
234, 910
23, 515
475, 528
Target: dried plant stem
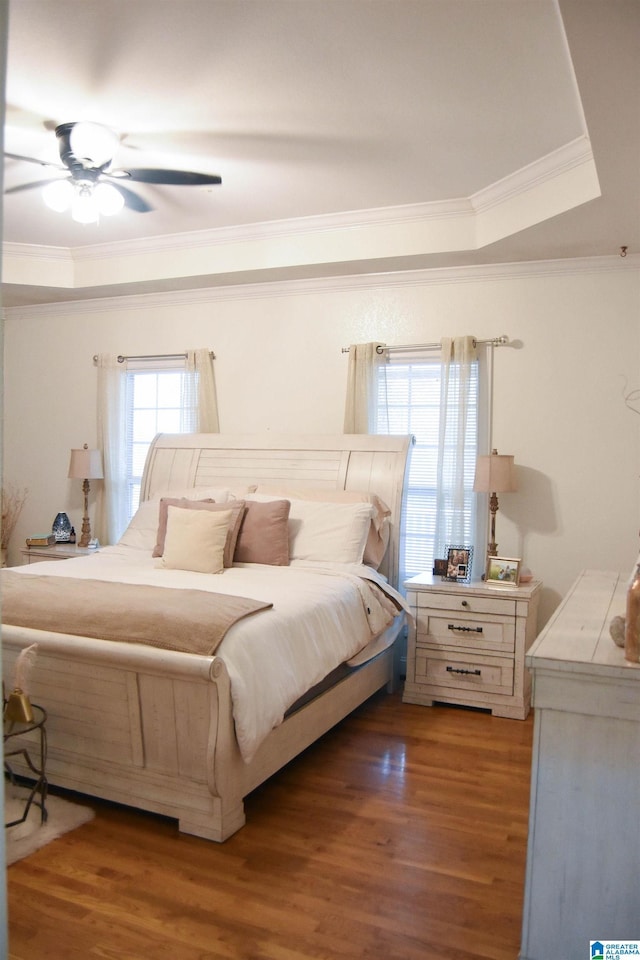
12, 503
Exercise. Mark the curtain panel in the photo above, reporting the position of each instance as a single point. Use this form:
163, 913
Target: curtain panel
362, 388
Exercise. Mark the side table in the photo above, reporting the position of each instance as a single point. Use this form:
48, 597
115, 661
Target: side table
35, 760
469, 642
57, 551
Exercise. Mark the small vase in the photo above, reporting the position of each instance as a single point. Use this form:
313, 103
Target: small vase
61, 528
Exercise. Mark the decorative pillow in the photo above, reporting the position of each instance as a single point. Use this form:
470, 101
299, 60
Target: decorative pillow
195, 540
264, 533
328, 531
236, 507
378, 535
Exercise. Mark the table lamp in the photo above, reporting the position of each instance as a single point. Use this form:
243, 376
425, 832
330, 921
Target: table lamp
495, 474
85, 465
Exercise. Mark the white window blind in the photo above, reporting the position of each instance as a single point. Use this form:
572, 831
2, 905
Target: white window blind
160, 398
409, 401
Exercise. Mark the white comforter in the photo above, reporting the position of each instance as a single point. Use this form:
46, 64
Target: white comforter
322, 616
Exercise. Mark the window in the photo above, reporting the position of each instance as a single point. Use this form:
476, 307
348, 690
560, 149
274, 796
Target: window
410, 400
156, 401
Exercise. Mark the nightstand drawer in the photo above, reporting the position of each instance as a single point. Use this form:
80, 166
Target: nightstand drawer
454, 630
457, 672
467, 603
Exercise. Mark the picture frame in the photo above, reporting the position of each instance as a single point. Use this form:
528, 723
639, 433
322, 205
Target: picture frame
503, 571
440, 568
459, 561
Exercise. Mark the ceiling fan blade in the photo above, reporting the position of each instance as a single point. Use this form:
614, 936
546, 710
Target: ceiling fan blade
35, 183
43, 163
131, 200
171, 177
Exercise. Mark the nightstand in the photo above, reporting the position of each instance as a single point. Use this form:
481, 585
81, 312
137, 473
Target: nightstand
468, 644
58, 551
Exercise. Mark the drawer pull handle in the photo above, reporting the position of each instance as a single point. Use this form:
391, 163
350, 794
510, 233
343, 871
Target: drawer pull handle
473, 673
454, 626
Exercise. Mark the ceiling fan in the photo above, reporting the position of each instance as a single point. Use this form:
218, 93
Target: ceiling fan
91, 187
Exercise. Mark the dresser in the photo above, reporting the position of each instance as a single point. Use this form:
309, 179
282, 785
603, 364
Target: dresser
583, 856
468, 644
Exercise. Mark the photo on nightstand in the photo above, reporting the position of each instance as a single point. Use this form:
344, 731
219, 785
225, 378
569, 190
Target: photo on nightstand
503, 570
459, 560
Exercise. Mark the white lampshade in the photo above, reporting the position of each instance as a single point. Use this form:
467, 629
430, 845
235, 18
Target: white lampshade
86, 464
495, 474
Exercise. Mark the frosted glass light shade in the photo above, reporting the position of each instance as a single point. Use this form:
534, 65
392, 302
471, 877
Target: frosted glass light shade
58, 195
93, 141
108, 200
84, 208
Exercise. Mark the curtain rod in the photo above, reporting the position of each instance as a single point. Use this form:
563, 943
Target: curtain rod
406, 347
154, 356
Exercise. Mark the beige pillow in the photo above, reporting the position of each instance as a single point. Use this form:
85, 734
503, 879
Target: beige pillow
264, 534
237, 510
195, 540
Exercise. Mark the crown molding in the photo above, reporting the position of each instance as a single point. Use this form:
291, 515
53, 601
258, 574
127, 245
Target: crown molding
40, 252
278, 229
477, 273
575, 154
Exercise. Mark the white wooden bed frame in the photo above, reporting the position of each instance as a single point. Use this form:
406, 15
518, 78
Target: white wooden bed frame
153, 728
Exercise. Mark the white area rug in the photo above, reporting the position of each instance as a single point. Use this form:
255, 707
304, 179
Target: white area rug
26, 837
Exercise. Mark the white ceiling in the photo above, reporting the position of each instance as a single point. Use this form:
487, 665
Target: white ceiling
318, 108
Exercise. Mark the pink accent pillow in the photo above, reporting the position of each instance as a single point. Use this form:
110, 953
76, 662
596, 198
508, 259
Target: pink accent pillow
264, 533
235, 506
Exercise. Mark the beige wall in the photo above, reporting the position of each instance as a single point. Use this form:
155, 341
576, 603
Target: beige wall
558, 403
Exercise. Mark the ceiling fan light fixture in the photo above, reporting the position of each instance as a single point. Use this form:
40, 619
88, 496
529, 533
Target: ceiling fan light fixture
84, 208
93, 142
108, 200
58, 195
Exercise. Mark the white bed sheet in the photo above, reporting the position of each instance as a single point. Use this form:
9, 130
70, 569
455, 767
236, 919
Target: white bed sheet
322, 616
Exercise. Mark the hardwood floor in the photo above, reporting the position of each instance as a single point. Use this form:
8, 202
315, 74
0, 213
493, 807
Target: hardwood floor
401, 835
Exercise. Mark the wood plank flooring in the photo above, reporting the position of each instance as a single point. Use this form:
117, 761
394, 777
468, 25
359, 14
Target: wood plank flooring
401, 835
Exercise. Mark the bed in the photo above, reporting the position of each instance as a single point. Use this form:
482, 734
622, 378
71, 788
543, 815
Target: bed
158, 723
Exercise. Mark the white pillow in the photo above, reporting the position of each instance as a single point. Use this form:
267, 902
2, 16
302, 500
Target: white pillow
328, 531
142, 529
195, 540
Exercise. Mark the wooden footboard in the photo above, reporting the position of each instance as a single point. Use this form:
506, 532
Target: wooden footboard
154, 729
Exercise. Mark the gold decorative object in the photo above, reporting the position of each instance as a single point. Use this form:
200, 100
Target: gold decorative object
18, 706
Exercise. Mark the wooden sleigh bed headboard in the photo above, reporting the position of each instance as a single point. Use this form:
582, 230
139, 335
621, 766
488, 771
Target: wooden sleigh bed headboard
357, 462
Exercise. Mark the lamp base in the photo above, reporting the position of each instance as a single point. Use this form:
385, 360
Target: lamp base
85, 535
